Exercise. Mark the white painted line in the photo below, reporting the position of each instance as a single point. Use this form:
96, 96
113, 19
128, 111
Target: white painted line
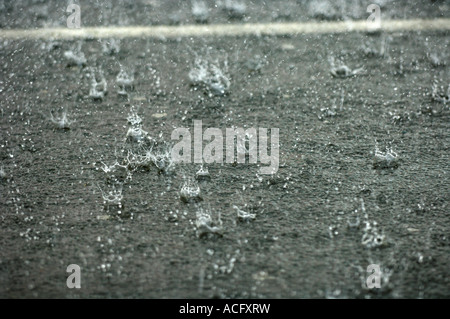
223, 29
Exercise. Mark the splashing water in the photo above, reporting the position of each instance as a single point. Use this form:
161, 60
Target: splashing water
202, 174
388, 159
437, 96
205, 224
125, 81
112, 200
61, 122
200, 11
341, 70
98, 88
190, 192
136, 134
75, 56
242, 215
111, 46
210, 76
235, 9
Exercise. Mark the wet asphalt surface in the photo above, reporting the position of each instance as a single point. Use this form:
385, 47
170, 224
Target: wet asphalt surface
310, 237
